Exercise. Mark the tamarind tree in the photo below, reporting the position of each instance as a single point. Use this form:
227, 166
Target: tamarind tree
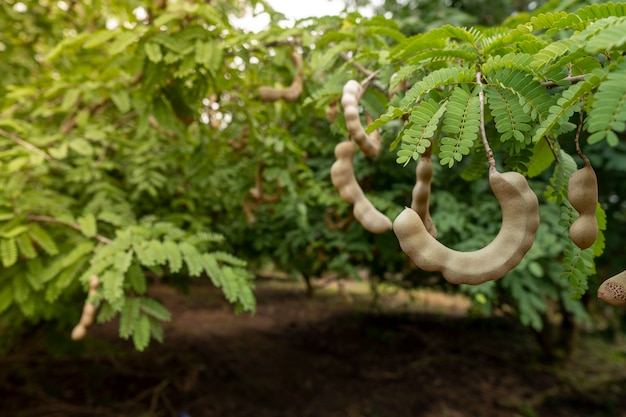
143, 142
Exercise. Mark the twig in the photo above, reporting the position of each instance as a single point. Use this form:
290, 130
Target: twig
48, 219
572, 79
156, 393
355, 64
26, 145
578, 131
369, 78
483, 134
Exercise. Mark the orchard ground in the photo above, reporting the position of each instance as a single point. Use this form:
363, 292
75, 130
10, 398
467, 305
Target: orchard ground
326, 356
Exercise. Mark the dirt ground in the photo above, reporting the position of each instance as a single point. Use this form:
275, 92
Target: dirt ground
319, 357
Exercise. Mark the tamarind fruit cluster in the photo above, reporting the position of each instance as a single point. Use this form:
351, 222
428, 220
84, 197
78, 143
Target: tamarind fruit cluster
613, 290
582, 193
520, 221
89, 311
421, 191
342, 176
288, 94
369, 144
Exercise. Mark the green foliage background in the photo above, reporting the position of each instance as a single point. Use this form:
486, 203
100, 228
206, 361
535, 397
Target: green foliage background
129, 145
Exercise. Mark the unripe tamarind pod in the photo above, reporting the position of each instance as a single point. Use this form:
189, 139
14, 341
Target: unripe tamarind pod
342, 176
520, 221
582, 193
369, 144
289, 94
421, 191
613, 290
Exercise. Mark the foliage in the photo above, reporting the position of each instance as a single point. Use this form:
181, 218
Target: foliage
133, 146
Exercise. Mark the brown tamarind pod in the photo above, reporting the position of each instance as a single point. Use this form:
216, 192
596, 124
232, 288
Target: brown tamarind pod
369, 144
342, 176
270, 94
89, 311
79, 332
613, 290
288, 94
421, 191
582, 193
520, 221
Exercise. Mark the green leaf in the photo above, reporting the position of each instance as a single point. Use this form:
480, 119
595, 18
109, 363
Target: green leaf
193, 258
153, 52
6, 297
141, 334
87, 225
136, 279
42, 239
174, 258
98, 37
125, 40
121, 99
129, 317
155, 309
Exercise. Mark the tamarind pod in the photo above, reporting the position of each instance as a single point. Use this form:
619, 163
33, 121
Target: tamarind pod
421, 191
89, 311
342, 177
78, 332
294, 91
582, 193
520, 221
584, 231
582, 189
372, 220
331, 113
613, 290
269, 94
94, 282
369, 144
288, 94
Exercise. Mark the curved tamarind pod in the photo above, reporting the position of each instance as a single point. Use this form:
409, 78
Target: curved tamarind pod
289, 94
421, 191
342, 176
613, 290
582, 193
369, 144
520, 221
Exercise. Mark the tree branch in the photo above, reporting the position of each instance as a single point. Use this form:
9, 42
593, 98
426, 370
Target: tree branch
26, 145
572, 79
48, 219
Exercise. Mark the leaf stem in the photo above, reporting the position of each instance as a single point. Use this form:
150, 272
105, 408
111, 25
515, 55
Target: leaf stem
578, 131
483, 134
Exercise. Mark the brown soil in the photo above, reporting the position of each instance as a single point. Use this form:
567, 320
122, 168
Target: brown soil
319, 357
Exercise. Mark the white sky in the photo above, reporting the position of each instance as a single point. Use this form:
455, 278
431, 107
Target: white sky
297, 9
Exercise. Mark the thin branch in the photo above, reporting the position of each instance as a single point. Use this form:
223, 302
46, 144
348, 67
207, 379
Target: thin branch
369, 78
483, 134
48, 219
355, 64
578, 131
572, 79
26, 145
